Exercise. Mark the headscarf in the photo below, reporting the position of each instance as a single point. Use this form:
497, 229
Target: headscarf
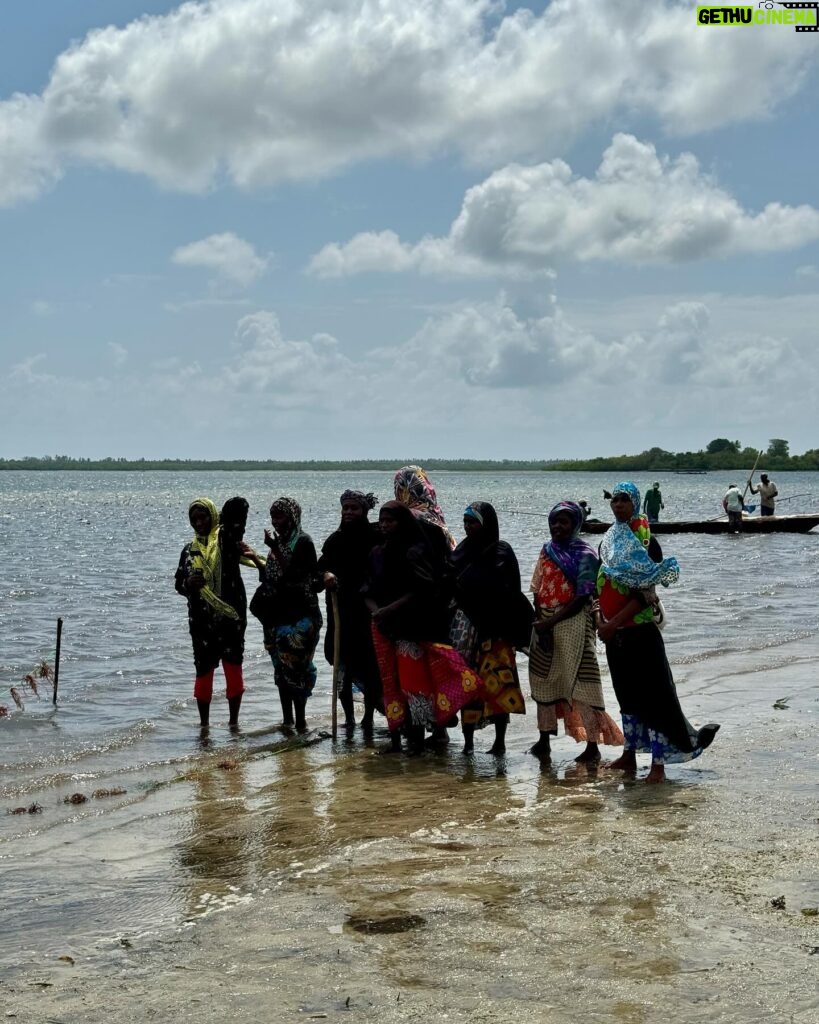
281, 553
473, 546
291, 510
366, 501
409, 529
233, 522
623, 550
414, 489
206, 555
576, 559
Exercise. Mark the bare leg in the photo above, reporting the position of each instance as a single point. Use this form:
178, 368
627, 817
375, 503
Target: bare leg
367, 720
300, 707
591, 753
287, 709
626, 762
395, 743
656, 773
346, 701
469, 738
415, 740
542, 748
234, 703
439, 737
204, 714
498, 748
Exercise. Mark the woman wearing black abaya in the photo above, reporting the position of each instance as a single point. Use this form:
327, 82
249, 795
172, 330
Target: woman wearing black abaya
343, 568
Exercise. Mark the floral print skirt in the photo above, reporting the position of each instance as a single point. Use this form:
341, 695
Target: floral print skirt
425, 683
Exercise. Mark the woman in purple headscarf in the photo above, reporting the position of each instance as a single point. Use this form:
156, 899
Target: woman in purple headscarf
563, 671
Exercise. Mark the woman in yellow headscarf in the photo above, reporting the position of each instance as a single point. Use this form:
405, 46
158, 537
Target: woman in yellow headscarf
208, 576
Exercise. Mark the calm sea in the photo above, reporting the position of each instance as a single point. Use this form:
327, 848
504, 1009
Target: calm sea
100, 549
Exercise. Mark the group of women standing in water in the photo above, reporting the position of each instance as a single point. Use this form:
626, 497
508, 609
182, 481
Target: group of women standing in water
427, 630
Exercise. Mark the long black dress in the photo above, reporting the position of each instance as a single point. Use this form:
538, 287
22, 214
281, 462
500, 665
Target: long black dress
346, 554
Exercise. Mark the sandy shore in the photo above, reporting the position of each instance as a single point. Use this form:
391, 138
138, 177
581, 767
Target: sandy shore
372, 888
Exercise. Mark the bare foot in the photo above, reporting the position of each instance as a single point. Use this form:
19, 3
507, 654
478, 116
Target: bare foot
590, 754
469, 749
656, 774
626, 762
498, 749
541, 750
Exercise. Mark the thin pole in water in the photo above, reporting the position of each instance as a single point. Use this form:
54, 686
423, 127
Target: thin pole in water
57, 659
336, 658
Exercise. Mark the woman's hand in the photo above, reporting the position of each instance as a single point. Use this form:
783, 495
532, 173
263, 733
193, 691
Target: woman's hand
196, 581
268, 538
606, 631
330, 581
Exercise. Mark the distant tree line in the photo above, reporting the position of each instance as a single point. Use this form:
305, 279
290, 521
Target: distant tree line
65, 462
717, 454
720, 453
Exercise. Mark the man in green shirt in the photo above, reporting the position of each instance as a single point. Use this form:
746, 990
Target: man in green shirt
652, 503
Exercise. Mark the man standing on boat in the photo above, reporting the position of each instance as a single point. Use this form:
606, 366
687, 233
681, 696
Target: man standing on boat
652, 503
767, 494
732, 503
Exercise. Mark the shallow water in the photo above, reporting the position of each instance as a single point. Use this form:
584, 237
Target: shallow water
445, 868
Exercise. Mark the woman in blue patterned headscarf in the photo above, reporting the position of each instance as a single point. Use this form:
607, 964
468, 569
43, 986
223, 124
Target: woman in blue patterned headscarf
563, 671
653, 721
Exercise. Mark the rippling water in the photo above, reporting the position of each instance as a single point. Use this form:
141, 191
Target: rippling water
100, 549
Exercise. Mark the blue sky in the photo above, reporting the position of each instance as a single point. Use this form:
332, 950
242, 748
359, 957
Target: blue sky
294, 229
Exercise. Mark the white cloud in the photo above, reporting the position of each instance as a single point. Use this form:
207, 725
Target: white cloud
119, 353
808, 270
289, 373
476, 379
640, 208
265, 91
233, 258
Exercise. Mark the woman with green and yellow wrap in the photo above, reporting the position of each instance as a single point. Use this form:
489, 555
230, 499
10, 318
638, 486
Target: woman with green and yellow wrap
208, 576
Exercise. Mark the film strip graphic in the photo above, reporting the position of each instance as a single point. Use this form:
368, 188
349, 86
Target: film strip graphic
814, 6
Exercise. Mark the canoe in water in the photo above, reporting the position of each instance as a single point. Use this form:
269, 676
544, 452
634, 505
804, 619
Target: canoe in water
757, 524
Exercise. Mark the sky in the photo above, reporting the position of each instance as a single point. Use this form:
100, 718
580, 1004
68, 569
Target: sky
295, 229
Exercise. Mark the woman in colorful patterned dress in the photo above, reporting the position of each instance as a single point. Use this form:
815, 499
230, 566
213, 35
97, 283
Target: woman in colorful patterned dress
653, 721
288, 608
425, 680
490, 616
564, 675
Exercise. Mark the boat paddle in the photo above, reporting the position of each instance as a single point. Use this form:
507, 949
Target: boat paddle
750, 508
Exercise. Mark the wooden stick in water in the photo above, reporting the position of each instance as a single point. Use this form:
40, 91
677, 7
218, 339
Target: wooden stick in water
57, 659
336, 658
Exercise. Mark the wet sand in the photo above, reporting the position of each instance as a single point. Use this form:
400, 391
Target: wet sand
358, 886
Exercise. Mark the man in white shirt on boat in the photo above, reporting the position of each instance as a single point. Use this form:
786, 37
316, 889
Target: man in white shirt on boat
767, 494
732, 503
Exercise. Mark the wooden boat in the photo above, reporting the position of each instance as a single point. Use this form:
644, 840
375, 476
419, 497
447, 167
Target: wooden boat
757, 524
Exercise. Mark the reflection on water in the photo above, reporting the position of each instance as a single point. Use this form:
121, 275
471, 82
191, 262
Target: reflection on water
214, 857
